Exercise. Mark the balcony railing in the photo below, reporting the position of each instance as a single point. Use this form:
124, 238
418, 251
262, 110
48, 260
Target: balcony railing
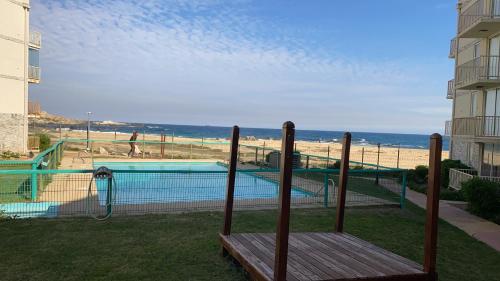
34, 74
479, 19
483, 71
35, 39
447, 128
451, 89
480, 126
458, 176
453, 48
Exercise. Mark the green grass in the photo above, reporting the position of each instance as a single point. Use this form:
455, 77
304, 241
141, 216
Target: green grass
360, 183
14, 188
186, 247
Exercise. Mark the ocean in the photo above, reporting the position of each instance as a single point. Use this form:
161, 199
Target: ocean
358, 138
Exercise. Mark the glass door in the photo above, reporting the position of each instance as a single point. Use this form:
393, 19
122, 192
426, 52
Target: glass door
495, 8
493, 62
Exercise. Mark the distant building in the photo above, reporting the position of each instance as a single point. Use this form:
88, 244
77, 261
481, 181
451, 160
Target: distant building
19, 65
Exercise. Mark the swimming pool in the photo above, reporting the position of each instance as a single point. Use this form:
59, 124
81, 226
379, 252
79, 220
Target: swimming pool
181, 182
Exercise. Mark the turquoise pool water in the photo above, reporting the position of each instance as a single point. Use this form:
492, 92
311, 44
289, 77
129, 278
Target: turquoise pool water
181, 182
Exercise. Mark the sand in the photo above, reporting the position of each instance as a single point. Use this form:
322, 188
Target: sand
408, 157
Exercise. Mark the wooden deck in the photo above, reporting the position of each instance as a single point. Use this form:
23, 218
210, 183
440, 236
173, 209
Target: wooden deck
320, 256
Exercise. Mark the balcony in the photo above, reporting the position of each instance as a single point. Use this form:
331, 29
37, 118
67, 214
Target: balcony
481, 72
35, 40
451, 89
458, 176
33, 74
453, 48
480, 126
447, 128
481, 19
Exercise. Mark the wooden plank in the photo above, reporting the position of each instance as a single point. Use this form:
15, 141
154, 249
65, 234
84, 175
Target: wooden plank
228, 209
342, 189
372, 257
433, 189
256, 268
266, 248
286, 163
368, 245
296, 266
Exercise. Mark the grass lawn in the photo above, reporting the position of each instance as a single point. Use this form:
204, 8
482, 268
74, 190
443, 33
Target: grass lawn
14, 188
186, 247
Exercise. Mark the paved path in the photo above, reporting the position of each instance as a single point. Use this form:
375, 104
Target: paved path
476, 227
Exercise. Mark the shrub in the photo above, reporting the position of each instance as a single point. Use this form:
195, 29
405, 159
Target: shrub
44, 142
6, 155
420, 174
335, 165
483, 198
445, 170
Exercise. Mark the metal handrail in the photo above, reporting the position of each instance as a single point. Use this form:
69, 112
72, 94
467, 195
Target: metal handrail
451, 89
477, 69
34, 72
453, 48
474, 13
35, 39
479, 126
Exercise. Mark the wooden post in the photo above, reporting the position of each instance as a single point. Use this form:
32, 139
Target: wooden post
399, 148
231, 176
256, 155
328, 158
362, 157
342, 189
281, 251
433, 189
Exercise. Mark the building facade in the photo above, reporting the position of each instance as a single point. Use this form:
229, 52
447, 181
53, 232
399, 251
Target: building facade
475, 90
19, 66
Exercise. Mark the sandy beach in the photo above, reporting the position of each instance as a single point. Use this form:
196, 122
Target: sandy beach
408, 157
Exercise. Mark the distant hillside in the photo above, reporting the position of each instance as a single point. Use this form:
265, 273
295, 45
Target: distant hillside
47, 118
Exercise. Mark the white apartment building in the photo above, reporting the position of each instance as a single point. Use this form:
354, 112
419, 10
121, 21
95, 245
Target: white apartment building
475, 90
19, 66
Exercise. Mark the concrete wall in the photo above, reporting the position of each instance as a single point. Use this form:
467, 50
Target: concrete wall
14, 37
467, 152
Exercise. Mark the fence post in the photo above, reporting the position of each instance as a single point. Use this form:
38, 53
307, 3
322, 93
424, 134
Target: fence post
231, 177
325, 187
285, 190
60, 131
403, 190
399, 148
256, 156
378, 163
263, 154
34, 182
143, 142
109, 197
307, 162
432, 207
328, 157
362, 157
343, 177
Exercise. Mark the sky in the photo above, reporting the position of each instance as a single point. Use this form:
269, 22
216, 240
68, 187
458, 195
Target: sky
372, 66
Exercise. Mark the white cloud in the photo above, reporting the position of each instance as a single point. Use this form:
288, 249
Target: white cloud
199, 62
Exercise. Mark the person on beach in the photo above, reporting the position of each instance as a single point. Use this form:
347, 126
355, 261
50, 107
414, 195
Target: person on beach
133, 144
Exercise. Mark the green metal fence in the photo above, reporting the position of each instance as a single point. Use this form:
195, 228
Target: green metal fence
131, 192
30, 184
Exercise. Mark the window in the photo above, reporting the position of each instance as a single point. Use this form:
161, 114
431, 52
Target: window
491, 160
34, 57
476, 50
473, 104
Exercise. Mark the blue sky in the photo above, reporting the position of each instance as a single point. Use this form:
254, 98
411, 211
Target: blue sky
378, 66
